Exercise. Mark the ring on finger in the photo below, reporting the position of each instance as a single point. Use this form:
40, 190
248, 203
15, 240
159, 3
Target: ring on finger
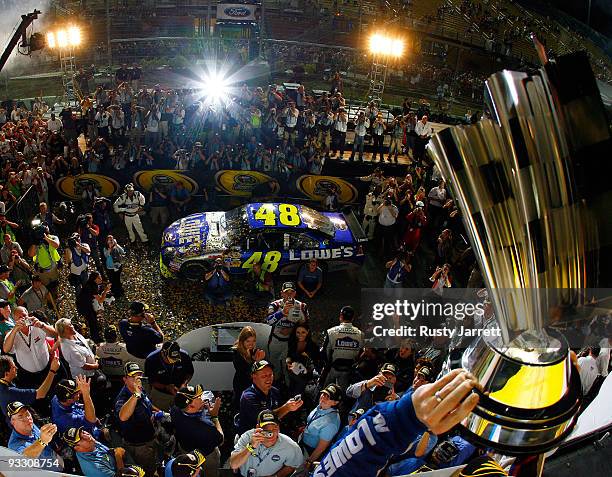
438, 396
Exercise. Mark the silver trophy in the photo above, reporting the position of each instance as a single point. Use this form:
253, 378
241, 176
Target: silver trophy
531, 221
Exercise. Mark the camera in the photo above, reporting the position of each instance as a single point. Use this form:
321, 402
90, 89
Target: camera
38, 234
267, 434
81, 221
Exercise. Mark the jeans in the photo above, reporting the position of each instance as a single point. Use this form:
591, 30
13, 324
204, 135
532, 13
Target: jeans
358, 143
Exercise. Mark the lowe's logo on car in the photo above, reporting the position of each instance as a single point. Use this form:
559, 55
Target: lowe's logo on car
325, 254
239, 12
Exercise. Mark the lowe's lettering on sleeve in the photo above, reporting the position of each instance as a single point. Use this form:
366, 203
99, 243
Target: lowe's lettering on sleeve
384, 431
297, 314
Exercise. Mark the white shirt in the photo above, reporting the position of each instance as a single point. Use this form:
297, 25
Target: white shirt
54, 125
603, 360
423, 129
386, 217
77, 352
437, 196
340, 125
31, 351
588, 372
361, 128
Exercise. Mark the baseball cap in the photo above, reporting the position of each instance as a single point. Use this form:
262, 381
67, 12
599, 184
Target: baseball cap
425, 372
357, 413
266, 417
171, 351
14, 407
3, 303
65, 389
4, 269
72, 435
286, 286
483, 466
347, 312
186, 464
185, 396
419, 204
131, 471
388, 368
333, 391
138, 307
132, 369
129, 186
259, 365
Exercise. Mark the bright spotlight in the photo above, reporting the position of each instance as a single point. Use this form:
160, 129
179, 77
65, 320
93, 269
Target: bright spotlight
386, 46
51, 40
62, 38
215, 88
74, 36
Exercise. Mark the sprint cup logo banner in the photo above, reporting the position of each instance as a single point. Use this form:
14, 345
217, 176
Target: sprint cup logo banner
240, 183
73, 187
317, 187
147, 179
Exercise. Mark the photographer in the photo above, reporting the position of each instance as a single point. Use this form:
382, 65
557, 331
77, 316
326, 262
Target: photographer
76, 255
378, 389
140, 332
387, 217
399, 268
90, 302
113, 252
37, 297
218, 290
361, 128
89, 233
45, 256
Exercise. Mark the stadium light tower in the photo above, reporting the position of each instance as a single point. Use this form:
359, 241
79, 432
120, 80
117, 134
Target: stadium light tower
65, 41
382, 48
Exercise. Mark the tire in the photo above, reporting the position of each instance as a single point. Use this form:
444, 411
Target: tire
195, 270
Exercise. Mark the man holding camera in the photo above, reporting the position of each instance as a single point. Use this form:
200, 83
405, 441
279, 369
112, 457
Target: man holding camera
76, 255
283, 316
45, 256
140, 332
196, 421
361, 128
218, 290
37, 297
378, 389
134, 412
130, 205
168, 369
89, 233
265, 451
27, 341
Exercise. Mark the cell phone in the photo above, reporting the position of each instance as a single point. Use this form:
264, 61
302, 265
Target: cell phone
144, 379
388, 384
297, 397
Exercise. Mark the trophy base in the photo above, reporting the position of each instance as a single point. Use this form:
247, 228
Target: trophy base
527, 406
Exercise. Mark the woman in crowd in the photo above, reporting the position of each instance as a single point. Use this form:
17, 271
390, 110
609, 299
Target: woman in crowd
303, 358
90, 301
323, 424
245, 354
113, 253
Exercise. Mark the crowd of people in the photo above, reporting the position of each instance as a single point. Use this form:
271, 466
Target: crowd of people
84, 396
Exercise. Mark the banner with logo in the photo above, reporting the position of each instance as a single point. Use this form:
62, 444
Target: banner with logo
145, 180
73, 186
236, 11
237, 183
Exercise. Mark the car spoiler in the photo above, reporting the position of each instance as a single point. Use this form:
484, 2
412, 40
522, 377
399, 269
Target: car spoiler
354, 225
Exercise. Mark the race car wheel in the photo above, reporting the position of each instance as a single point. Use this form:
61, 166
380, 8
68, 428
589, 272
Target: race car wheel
195, 270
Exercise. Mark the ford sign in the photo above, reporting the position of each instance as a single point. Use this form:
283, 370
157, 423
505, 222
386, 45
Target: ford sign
237, 12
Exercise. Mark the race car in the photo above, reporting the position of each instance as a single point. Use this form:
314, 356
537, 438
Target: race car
280, 236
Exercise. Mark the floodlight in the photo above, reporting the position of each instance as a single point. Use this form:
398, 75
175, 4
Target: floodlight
386, 46
62, 38
51, 40
215, 88
74, 36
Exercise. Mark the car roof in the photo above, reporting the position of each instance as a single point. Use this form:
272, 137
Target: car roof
309, 218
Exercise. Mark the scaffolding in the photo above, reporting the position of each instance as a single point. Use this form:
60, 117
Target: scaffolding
378, 77
71, 95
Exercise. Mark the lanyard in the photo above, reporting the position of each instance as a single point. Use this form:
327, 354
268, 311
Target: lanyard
317, 416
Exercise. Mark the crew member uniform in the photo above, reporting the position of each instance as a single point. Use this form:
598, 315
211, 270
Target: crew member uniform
129, 207
341, 347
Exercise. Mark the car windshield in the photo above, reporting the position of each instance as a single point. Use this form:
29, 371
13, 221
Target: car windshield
234, 224
316, 221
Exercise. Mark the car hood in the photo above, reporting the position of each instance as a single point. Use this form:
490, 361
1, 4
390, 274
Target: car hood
195, 234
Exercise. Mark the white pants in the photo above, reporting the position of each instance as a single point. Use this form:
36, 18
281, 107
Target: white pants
369, 225
277, 355
133, 222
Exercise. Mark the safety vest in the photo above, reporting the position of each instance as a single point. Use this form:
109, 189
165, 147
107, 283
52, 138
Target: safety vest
10, 287
46, 256
259, 286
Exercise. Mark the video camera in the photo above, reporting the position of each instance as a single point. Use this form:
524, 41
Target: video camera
38, 233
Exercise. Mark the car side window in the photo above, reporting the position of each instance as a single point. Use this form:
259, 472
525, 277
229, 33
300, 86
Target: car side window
302, 242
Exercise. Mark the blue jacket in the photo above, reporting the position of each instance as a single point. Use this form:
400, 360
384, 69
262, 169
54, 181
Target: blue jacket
386, 429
